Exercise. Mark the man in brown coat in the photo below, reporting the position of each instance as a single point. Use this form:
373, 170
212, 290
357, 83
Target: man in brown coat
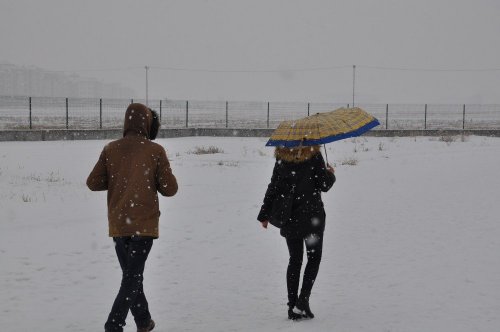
133, 169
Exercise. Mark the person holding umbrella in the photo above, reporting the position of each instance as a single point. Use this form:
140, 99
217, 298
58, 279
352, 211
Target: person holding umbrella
293, 201
293, 198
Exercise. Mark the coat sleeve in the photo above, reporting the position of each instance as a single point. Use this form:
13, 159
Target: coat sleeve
98, 178
271, 192
166, 183
324, 178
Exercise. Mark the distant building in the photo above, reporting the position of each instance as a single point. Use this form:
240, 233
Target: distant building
36, 82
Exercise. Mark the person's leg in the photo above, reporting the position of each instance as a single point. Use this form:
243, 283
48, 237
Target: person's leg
296, 251
139, 249
121, 248
132, 254
140, 307
314, 248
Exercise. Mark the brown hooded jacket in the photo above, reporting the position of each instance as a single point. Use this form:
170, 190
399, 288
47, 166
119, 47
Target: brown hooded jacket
133, 169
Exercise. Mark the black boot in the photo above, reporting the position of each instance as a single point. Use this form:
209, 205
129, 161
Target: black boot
291, 305
293, 315
303, 307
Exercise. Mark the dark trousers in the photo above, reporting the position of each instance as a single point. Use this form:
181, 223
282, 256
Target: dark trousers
132, 253
314, 249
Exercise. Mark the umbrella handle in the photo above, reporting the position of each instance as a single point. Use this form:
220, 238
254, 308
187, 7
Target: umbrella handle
326, 154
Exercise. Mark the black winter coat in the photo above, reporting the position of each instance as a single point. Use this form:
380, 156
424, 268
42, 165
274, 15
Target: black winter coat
308, 178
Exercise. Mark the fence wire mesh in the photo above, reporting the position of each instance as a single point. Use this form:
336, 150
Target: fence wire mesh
87, 113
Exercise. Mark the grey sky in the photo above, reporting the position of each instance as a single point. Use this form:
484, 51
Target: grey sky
227, 35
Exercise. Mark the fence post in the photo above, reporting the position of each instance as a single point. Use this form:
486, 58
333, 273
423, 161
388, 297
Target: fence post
187, 112
463, 120
100, 113
387, 116
308, 108
67, 115
425, 117
160, 110
31, 127
227, 114
267, 114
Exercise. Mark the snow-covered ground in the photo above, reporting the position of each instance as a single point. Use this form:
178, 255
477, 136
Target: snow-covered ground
412, 240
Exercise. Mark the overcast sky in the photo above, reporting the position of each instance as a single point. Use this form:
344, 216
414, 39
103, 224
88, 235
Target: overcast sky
238, 41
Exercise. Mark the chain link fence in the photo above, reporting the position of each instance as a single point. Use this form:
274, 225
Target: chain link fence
86, 113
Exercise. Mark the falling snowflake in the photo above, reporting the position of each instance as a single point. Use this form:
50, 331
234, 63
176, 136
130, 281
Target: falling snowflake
312, 240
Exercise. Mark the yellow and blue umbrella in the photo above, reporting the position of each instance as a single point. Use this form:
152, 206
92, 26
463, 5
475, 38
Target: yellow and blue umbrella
323, 128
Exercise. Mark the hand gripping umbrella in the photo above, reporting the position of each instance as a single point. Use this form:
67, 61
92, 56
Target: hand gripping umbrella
322, 128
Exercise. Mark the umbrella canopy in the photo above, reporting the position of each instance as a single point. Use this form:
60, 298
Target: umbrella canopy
323, 128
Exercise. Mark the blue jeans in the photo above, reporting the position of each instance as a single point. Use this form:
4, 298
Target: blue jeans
132, 253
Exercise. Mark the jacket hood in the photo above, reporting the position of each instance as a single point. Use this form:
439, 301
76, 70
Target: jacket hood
297, 154
138, 120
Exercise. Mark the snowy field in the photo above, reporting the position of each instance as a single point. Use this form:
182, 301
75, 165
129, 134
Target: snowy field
412, 240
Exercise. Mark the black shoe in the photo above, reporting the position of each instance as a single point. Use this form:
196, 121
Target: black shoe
148, 328
302, 306
293, 315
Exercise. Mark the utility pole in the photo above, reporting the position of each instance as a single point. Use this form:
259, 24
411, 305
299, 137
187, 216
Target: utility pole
353, 82
147, 68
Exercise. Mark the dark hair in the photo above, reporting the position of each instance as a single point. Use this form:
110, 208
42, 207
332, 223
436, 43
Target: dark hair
155, 125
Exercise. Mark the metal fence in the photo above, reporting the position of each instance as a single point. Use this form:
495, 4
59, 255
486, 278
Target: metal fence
85, 113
